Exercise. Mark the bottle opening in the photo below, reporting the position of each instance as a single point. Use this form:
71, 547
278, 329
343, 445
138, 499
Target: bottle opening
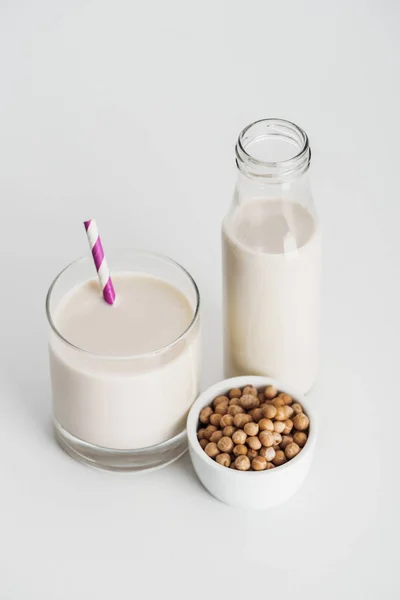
273, 148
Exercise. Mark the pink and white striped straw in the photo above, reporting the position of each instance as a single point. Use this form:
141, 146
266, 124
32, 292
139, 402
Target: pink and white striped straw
100, 261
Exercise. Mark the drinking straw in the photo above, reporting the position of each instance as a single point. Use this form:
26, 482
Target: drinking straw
100, 261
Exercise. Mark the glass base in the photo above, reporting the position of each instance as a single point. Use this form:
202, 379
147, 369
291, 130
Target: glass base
110, 459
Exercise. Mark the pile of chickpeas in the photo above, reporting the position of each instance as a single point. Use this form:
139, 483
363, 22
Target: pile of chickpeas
253, 430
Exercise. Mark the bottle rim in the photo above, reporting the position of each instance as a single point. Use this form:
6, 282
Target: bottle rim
273, 129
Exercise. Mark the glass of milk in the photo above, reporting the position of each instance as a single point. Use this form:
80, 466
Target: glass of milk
272, 259
124, 376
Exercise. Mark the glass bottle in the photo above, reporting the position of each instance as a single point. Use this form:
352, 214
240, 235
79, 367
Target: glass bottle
271, 245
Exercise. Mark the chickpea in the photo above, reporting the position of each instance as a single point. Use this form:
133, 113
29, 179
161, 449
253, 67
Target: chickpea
278, 401
253, 442
242, 463
286, 440
216, 436
215, 419
280, 414
235, 393
261, 397
235, 409
241, 419
209, 431
277, 438
270, 392
268, 453
292, 450
259, 463
288, 411
301, 422
270, 411
252, 453
219, 399
247, 418
221, 408
266, 425
211, 450
225, 444
267, 438
228, 431
270, 465
286, 398
226, 420
300, 438
250, 389
200, 433
251, 429
280, 458
232, 465
223, 459
203, 443
234, 402
288, 426
240, 449
205, 414
297, 408
239, 437
279, 426
247, 401
256, 414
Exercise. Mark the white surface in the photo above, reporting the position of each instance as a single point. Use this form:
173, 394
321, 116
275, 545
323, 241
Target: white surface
129, 112
259, 491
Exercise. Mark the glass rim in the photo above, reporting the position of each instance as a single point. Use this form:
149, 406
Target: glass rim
304, 148
170, 345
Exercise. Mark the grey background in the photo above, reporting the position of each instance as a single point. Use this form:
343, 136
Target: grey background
129, 112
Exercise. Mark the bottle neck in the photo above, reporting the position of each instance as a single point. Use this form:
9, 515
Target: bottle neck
273, 157
257, 187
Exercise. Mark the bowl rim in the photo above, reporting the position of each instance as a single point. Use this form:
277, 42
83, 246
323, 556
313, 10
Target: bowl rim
205, 398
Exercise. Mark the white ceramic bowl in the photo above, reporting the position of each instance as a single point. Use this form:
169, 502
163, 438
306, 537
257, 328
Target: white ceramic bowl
251, 489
